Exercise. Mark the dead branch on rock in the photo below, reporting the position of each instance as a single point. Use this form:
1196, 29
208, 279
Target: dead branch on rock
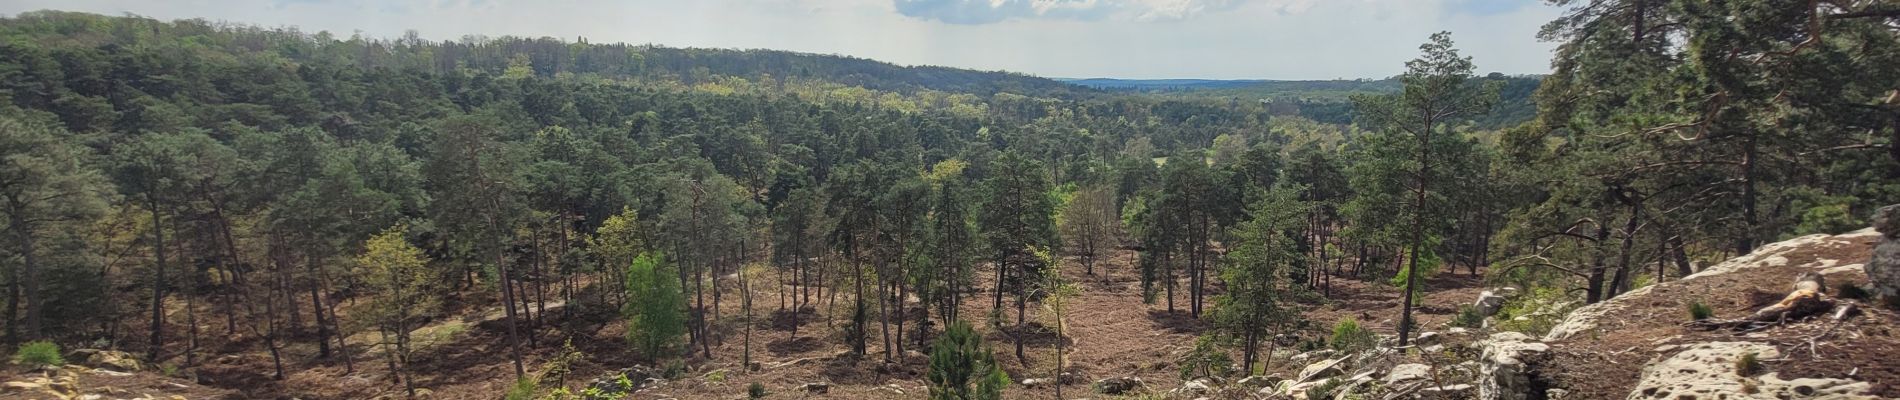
1806, 300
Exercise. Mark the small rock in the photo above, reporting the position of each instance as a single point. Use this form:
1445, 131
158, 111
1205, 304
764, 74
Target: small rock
1259, 381
1488, 303
1447, 391
1195, 387
1117, 385
20, 386
1311, 355
1408, 372
1321, 370
1037, 382
815, 388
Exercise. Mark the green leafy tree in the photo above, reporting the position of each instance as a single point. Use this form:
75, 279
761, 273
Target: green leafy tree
402, 292
1255, 303
1091, 225
656, 308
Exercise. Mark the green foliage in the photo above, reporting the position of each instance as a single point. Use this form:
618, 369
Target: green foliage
755, 390
674, 370
1747, 365
38, 354
1699, 311
1468, 317
962, 367
1348, 336
526, 388
656, 309
1325, 390
1534, 313
1207, 358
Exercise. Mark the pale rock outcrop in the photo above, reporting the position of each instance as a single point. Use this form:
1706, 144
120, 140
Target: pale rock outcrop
1771, 255
1407, 373
1504, 372
1708, 371
112, 360
1322, 370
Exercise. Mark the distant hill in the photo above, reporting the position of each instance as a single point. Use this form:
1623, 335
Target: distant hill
1160, 84
540, 56
1326, 101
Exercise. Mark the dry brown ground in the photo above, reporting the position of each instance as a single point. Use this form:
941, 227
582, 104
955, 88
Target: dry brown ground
1113, 333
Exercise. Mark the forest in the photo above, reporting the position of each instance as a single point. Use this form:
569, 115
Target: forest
190, 191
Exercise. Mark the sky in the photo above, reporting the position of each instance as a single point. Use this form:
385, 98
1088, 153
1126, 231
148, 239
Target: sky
1209, 39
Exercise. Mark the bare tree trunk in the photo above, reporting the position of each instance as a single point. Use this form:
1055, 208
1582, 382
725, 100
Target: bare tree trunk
158, 283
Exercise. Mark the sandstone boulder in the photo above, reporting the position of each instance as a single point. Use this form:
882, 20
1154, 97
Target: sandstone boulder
1488, 303
1407, 373
111, 360
1504, 372
1322, 370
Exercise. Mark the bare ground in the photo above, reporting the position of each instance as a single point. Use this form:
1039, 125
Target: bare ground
1111, 333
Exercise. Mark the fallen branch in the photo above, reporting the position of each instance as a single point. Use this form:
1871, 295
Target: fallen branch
1840, 316
1806, 300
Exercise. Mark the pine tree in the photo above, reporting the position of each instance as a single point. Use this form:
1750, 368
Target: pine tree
1439, 90
962, 368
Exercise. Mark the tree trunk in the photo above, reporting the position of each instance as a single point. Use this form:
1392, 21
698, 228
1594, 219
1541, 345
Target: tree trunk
158, 283
29, 273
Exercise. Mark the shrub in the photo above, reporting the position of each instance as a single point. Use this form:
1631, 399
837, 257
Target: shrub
39, 354
524, 389
1348, 336
1747, 365
755, 390
674, 370
1206, 359
962, 367
1324, 391
1536, 312
1468, 317
1699, 311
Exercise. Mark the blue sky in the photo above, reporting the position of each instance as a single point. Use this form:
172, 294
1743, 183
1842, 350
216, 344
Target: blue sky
1219, 39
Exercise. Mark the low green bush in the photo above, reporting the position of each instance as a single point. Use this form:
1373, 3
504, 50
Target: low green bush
1349, 336
1699, 311
39, 354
